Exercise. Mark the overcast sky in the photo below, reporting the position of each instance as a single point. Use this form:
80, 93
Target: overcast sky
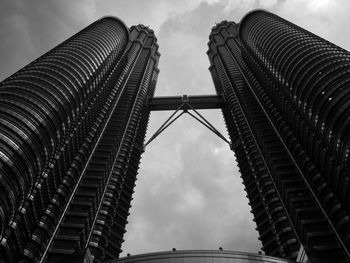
189, 194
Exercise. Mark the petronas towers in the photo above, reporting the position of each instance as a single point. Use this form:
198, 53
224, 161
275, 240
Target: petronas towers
73, 123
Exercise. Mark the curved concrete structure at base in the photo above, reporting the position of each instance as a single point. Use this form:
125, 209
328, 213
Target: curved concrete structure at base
199, 256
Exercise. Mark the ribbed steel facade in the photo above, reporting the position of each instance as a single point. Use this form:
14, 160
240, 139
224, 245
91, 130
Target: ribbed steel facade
72, 125
287, 111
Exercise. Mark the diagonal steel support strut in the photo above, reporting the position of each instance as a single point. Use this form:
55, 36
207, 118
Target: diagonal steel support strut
208, 102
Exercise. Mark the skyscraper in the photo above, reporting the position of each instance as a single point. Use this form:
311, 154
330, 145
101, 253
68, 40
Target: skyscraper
73, 122
72, 129
287, 112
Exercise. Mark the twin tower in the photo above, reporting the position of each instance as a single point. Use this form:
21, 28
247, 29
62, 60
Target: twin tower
73, 123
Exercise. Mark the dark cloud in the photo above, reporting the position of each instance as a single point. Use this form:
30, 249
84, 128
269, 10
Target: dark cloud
31, 28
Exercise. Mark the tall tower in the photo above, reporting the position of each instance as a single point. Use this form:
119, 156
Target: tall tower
287, 112
72, 125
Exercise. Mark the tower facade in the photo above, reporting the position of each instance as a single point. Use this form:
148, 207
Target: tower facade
72, 128
287, 111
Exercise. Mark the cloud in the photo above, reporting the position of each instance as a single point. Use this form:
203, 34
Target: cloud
324, 18
266, 4
151, 12
241, 6
29, 29
184, 67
